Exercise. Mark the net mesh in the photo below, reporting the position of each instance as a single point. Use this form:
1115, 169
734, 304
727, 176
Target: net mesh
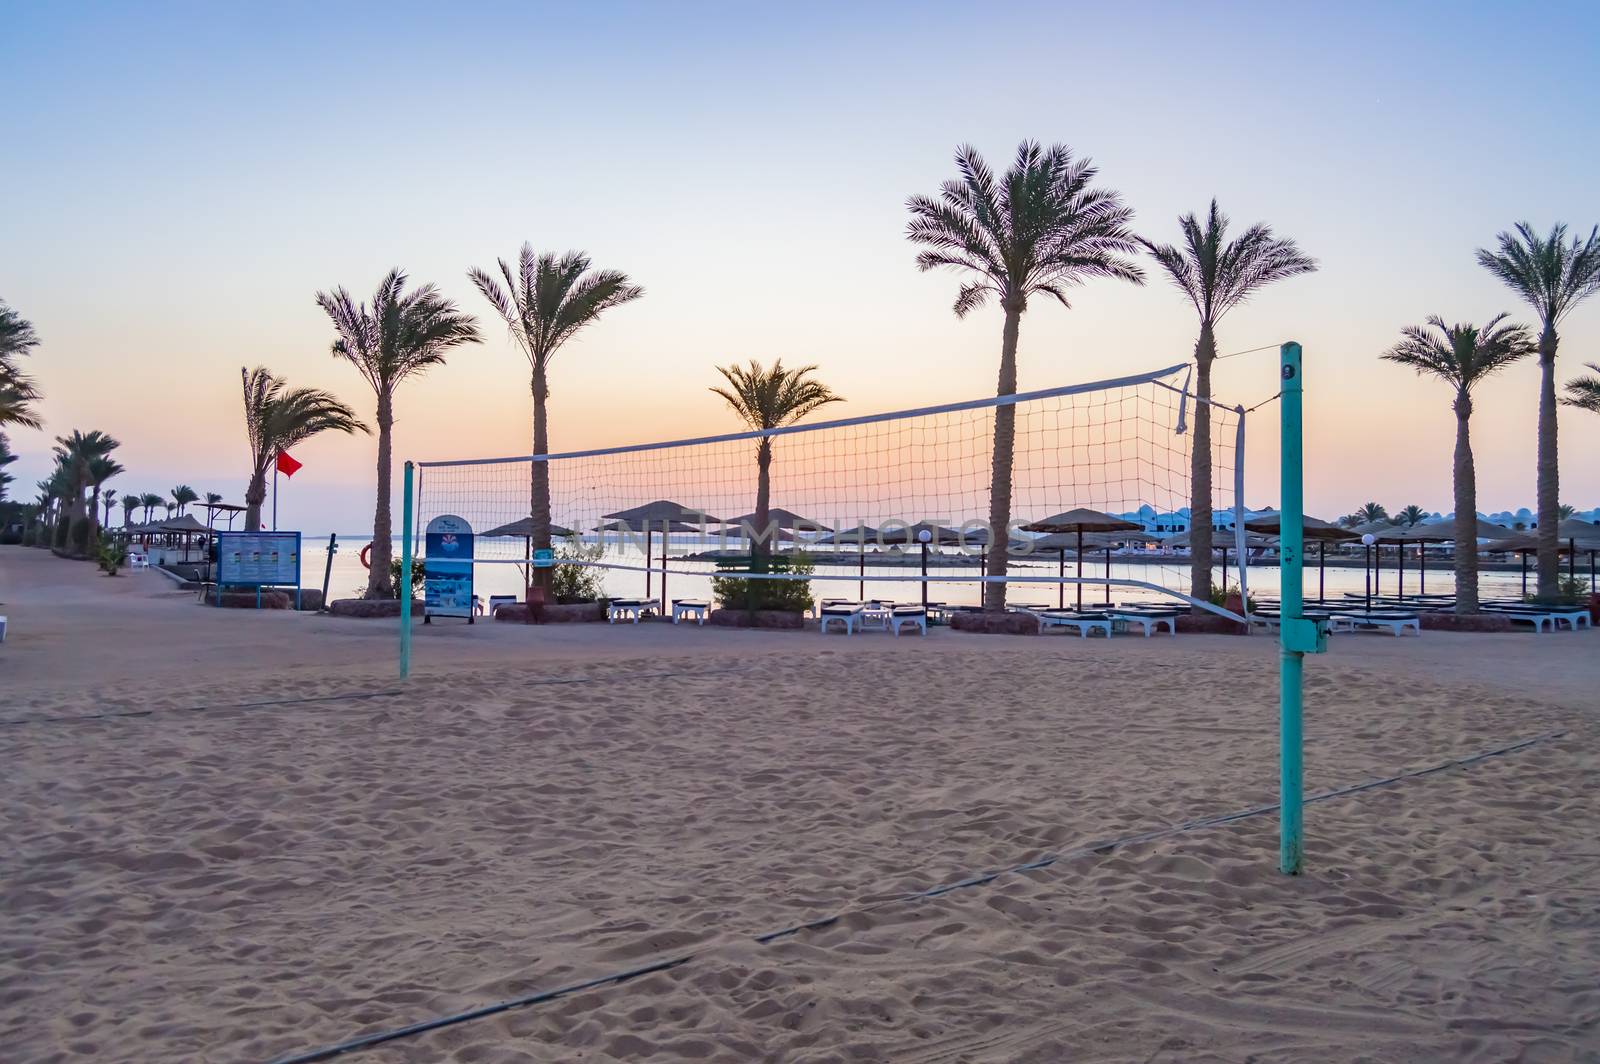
1119, 447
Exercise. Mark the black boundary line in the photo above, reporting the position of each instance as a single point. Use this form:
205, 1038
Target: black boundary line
1098, 848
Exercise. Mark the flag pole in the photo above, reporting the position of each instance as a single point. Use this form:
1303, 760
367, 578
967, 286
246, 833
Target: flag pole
275, 491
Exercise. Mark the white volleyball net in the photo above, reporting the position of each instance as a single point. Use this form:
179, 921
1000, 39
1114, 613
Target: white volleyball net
849, 496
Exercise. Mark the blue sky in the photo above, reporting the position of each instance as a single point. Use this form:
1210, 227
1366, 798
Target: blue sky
183, 178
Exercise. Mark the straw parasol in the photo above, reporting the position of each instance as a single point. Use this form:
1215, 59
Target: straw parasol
858, 536
664, 514
1080, 521
1107, 541
523, 526
1311, 528
781, 519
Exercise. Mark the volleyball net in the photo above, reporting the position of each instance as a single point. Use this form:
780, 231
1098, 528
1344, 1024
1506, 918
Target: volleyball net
855, 499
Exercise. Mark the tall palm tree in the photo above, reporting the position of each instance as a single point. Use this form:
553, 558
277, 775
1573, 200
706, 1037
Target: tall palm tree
1410, 516
1036, 231
1463, 356
130, 502
1217, 274
277, 417
1553, 276
182, 496
1584, 392
75, 452
18, 392
101, 469
1371, 511
150, 500
770, 398
545, 302
108, 499
400, 334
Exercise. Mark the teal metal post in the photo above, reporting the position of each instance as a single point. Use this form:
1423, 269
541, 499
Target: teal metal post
1292, 620
404, 590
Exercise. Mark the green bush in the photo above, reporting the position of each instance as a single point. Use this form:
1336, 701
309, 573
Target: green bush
417, 575
1570, 591
577, 583
738, 593
112, 557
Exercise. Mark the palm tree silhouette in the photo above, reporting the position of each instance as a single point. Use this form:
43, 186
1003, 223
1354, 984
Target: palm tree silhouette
1036, 231
1584, 392
1217, 274
769, 398
1463, 356
1553, 276
400, 334
277, 417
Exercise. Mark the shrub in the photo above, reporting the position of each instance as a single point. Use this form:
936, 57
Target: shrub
738, 593
112, 557
394, 577
577, 583
1570, 591
30, 538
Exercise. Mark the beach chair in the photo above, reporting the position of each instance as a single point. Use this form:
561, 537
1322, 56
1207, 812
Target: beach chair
626, 609
496, 601
694, 609
1085, 623
823, 604
908, 617
845, 613
1147, 618
1396, 621
1539, 616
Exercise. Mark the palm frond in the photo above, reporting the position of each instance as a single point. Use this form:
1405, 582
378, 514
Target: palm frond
1217, 274
1550, 273
1584, 392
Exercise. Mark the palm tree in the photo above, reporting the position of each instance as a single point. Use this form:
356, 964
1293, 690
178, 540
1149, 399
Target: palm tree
101, 469
1584, 392
75, 452
130, 503
1463, 356
769, 399
1217, 274
6, 458
1553, 276
277, 417
150, 500
1037, 231
182, 496
1369, 512
400, 334
545, 302
18, 392
108, 499
1410, 516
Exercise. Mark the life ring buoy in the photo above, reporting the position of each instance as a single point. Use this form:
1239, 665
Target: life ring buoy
366, 559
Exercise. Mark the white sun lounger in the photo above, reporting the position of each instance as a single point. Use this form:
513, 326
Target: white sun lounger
1539, 617
846, 613
908, 617
694, 609
1083, 622
1148, 620
1396, 621
496, 601
626, 609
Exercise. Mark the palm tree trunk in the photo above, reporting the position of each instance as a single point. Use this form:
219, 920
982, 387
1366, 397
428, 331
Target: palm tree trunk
254, 496
1205, 352
1005, 439
379, 585
539, 476
1549, 565
760, 543
1466, 532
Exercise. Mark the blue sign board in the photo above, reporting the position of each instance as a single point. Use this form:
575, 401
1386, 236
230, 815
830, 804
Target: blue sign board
544, 558
259, 559
447, 568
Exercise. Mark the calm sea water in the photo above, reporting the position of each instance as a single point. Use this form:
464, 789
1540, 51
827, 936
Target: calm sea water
348, 578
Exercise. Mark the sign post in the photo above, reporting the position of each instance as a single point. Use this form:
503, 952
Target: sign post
259, 559
447, 569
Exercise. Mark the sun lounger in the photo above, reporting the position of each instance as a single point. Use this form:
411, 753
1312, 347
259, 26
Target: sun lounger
823, 604
695, 609
1146, 618
496, 601
626, 609
908, 617
1397, 621
845, 613
1083, 622
1539, 616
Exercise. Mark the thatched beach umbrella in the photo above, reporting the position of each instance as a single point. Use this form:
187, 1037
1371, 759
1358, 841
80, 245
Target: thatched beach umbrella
523, 526
1106, 541
859, 536
661, 513
1183, 539
1321, 531
780, 519
1080, 521
1580, 535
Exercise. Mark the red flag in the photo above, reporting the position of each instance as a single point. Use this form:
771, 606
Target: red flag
287, 465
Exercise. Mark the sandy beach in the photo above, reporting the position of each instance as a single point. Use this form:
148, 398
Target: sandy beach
235, 836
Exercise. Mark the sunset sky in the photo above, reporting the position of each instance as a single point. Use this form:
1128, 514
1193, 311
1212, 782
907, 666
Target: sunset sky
180, 180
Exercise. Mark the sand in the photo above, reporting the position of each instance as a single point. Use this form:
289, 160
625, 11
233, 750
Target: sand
220, 878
